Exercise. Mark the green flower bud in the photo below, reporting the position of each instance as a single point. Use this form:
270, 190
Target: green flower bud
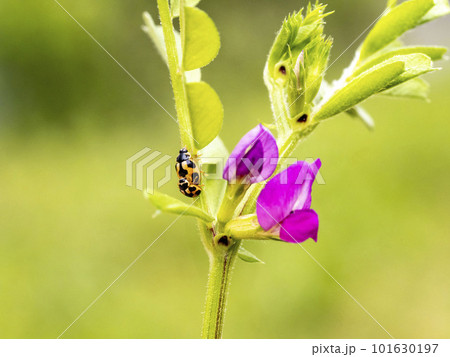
296, 66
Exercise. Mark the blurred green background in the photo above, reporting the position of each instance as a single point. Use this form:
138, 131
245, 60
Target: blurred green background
70, 117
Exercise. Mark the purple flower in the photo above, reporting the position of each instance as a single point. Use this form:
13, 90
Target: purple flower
254, 158
283, 206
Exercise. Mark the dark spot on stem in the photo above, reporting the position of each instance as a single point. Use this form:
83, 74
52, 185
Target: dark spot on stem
303, 118
282, 69
223, 241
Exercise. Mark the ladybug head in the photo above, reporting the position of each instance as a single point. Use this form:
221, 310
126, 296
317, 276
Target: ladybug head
183, 155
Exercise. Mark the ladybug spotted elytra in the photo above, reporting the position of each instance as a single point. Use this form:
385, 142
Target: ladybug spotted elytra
188, 174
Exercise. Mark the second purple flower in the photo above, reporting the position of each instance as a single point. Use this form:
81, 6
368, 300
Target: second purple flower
283, 206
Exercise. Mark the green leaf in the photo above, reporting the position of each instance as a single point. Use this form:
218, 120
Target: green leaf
358, 112
360, 88
415, 65
248, 257
416, 88
316, 63
169, 204
155, 33
391, 4
206, 112
434, 52
175, 6
440, 8
394, 24
201, 39
212, 159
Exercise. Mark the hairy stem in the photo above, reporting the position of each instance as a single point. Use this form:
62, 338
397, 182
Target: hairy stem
280, 112
177, 77
220, 268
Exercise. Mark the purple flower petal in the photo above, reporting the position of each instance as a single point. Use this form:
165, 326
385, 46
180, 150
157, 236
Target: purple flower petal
287, 191
254, 158
305, 179
299, 226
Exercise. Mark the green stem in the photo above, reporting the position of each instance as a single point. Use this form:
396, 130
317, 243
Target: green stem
177, 77
289, 145
233, 195
279, 111
220, 268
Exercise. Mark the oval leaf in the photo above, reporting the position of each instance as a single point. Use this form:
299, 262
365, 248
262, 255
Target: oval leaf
248, 257
169, 204
201, 39
415, 65
360, 88
206, 112
434, 52
155, 33
394, 24
440, 8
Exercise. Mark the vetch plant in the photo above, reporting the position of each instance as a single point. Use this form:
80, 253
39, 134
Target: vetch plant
257, 199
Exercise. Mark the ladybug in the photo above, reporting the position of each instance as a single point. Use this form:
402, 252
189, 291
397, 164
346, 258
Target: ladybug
187, 189
188, 174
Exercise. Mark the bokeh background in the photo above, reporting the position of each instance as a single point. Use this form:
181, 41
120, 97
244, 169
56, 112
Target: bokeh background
70, 117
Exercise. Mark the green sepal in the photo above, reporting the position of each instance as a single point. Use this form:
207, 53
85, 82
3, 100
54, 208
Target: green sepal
201, 40
247, 227
316, 62
206, 112
393, 24
295, 68
169, 204
360, 88
247, 256
295, 33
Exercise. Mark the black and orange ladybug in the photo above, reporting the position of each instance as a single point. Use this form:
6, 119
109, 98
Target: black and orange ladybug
188, 174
